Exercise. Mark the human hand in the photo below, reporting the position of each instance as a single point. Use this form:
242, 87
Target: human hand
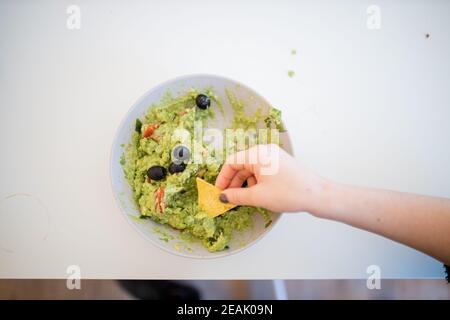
276, 181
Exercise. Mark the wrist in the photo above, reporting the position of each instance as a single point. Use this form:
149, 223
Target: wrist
324, 196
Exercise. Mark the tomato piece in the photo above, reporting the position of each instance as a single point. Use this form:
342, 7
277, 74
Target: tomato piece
159, 199
149, 131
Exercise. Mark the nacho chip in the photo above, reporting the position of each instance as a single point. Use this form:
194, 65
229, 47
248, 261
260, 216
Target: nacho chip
208, 199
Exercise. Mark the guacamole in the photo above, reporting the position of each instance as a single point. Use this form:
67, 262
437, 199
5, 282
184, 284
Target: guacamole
164, 187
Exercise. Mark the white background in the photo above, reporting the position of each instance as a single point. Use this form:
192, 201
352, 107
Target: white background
366, 107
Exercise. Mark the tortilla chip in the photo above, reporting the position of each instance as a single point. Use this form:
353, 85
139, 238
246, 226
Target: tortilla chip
208, 199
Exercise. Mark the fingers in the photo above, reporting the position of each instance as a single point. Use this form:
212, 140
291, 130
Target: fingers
241, 196
239, 178
228, 173
234, 164
225, 176
251, 181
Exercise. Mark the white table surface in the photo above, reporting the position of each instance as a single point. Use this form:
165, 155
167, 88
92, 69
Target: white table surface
366, 107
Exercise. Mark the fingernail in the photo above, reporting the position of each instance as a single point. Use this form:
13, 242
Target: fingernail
223, 198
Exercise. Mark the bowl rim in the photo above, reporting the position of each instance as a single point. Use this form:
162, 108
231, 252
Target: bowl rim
125, 215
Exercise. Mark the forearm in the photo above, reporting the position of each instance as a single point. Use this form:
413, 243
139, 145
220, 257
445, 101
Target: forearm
418, 221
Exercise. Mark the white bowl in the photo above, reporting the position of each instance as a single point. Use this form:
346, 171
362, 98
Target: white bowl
164, 236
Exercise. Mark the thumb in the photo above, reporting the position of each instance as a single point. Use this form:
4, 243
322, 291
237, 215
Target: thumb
240, 196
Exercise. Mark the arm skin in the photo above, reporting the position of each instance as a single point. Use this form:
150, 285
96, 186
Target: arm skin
417, 221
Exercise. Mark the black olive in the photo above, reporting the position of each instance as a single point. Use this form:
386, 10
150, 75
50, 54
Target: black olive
156, 173
203, 101
177, 167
